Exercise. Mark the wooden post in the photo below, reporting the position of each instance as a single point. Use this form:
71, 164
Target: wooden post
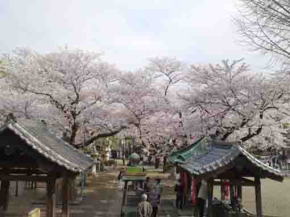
65, 196
4, 194
1, 194
240, 192
258, 197
125, 193
210, 195
16, 189
51, 200
232, 194
222, 189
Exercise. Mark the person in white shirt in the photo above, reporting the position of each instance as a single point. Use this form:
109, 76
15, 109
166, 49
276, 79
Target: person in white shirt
144, 207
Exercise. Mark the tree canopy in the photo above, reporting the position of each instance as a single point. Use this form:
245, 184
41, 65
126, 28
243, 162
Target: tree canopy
166, 103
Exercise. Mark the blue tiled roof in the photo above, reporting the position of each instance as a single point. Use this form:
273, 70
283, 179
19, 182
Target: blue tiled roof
208, 156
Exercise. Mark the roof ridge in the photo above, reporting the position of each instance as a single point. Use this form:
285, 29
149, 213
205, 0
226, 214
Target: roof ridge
253, 158
47, 150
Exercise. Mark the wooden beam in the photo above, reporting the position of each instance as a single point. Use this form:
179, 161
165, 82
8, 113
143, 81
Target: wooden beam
23, 178
51, 199
6, 164
258, 197
22, 171
242, 182
65, 196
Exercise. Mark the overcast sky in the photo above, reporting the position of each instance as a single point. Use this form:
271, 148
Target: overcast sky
128, 32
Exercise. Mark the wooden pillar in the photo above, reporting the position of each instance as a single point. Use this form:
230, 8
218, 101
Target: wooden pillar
1, 194
125, 193
51, 199
4, 194
240, 192
16, 189
258, 197
210, 195
65, 196
222, 189
232, 194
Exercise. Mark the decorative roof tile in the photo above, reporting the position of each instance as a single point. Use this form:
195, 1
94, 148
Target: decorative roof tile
37, 136
216, 155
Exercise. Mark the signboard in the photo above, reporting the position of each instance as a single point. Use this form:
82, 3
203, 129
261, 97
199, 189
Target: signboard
34, 213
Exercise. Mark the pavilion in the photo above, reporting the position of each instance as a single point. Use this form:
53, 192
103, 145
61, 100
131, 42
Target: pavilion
216, 161
29, 151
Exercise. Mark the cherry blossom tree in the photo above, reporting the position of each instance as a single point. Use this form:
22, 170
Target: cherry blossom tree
68, 89
264, 26
166, 71
168, 74
138, 99
228, 101
167, 101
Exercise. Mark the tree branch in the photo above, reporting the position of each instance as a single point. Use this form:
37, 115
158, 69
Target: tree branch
101, 135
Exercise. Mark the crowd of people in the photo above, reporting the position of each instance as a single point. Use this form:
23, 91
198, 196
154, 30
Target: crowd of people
150, 199
148, 207
151, 191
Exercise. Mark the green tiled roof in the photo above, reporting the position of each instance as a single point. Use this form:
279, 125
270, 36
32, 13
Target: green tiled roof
198, 147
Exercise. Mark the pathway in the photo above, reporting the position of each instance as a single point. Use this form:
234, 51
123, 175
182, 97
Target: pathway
102, 197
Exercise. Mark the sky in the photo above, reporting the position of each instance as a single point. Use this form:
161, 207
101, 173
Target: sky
127, 32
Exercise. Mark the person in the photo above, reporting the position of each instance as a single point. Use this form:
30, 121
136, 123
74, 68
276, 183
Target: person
149, 159
147, 185
164, 162
121, 174
141, 162
202, 197
179, 194
144, 208
157, 162
155, 201
158, 188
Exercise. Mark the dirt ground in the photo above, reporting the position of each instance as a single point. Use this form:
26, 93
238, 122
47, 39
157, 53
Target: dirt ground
102, 198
